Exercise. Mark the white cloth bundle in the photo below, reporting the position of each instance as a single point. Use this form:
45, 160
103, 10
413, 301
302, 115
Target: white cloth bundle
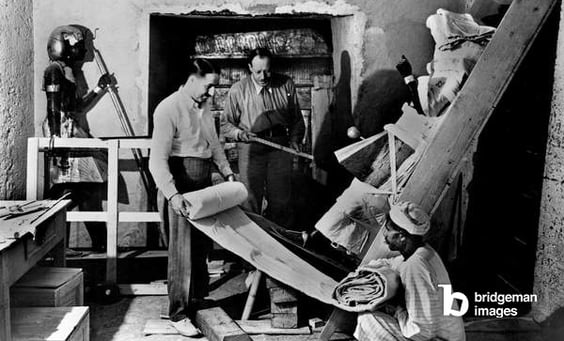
215, 199
355, 218
366, 288
459, 43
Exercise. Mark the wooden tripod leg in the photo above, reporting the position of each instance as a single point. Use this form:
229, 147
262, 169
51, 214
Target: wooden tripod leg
252, 295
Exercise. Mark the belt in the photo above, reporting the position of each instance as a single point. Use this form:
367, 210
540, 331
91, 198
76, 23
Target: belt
273, 132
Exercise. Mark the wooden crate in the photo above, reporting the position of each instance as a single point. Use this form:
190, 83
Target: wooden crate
49, 287
51, 323
283, 305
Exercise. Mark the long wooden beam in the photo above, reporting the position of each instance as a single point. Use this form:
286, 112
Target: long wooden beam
471, 109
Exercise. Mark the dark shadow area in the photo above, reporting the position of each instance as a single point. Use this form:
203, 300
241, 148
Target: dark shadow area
313, 198
172, 43
380, 98
553, 326
499, 246
333, 132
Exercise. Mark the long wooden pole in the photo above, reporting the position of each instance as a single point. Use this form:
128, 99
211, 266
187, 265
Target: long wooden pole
124, 121
281, 147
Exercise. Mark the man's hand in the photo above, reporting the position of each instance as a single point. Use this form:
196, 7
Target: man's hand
179, 204
230, 178
245, 136
296, 146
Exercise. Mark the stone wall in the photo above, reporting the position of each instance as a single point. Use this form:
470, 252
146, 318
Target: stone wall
549, 268
16, 94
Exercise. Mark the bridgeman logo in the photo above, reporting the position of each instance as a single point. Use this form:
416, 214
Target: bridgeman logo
448, 301
452, 308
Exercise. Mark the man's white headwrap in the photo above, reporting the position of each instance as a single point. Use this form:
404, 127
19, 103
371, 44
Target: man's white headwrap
410, 217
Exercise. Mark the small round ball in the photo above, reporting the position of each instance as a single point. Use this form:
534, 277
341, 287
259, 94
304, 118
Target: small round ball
353, 132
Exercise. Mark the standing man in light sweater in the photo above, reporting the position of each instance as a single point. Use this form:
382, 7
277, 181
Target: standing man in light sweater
184, 147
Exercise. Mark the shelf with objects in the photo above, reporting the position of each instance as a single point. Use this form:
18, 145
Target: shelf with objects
300, 53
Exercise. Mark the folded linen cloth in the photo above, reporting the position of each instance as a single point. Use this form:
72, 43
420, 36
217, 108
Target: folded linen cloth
366, 288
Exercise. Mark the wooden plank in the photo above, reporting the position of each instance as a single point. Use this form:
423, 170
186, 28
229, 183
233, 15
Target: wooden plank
321, 97
134, 217
124, 217
153, 289
51, 323
476, 101
27, 224
284, 308
74, 142
281, 320
252, 295
251, 327
338, 320
47, 277
26, 252
32, 168
234, 231
5, 324
49, 287
113, 214
254, 327
216, 325
125, 254
283, 295
82, 216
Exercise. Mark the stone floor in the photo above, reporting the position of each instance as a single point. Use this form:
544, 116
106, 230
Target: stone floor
125, 319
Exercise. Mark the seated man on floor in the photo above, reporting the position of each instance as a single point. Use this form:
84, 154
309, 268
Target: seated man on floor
421, 272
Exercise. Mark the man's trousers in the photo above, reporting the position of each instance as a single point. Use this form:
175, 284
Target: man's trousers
267, 174
188, 248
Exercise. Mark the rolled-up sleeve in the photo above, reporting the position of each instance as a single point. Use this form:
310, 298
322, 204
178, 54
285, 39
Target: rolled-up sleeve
161, 144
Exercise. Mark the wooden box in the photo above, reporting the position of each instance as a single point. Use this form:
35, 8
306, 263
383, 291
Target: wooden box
51, 323
283, 305
48, 287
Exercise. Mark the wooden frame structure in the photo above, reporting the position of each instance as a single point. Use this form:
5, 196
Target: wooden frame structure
112, 216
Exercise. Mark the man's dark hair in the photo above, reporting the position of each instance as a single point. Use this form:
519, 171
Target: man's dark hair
201, 67
262, 52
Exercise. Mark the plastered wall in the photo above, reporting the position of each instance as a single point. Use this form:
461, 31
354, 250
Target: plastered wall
16, 94
549, 274
375, 33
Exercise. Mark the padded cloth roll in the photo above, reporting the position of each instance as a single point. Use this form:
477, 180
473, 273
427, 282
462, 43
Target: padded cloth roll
366, 288
215, 199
